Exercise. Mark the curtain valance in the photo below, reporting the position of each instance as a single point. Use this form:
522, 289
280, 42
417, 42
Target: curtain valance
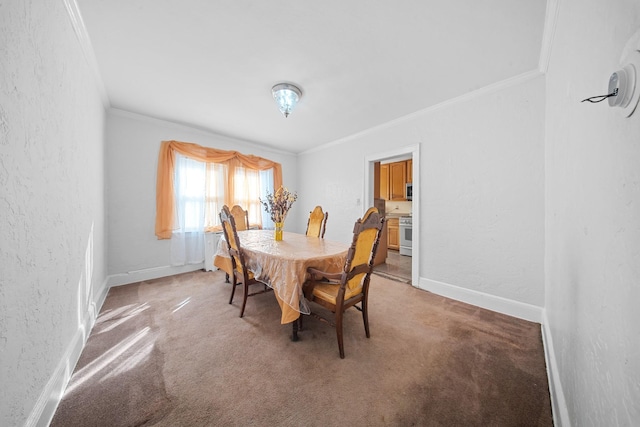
165, 203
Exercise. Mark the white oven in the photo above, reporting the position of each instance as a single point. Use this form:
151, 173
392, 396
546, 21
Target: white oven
406, 235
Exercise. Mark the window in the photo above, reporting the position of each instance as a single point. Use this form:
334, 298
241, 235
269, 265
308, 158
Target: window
216, 182
266, 185
189, 186
200, 193
218, 177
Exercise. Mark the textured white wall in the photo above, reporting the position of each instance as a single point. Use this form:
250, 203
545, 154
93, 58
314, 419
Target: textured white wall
133, 143
51, 203
593, 217
481, 187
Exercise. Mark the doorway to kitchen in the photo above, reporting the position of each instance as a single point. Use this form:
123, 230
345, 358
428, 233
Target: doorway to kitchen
404, 267
396, 267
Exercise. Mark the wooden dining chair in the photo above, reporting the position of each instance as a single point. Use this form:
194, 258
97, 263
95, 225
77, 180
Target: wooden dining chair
241, 274
317, 222
241, 217
339, 291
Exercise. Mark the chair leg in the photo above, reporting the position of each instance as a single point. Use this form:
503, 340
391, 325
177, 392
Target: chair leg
233, 291
339, 332
294, 333
365, 317
226, 277
244, 299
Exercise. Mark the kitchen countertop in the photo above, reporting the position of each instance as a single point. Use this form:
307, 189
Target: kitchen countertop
397, 214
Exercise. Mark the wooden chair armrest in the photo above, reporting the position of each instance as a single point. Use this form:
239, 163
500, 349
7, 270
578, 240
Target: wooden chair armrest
319, 275
316, 277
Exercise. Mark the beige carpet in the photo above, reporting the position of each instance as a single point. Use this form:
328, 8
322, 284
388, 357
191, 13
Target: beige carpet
173, 352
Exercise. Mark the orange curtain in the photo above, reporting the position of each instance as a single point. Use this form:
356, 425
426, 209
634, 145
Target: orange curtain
165, 203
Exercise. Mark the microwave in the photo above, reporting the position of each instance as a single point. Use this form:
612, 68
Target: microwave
409, 191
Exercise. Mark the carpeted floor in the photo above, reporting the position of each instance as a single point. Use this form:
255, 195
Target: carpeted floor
173, 352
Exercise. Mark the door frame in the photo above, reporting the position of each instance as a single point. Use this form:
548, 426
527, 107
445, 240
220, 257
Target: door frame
369, 161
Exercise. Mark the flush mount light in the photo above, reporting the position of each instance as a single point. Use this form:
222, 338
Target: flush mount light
624, 83
286, 96
624, 87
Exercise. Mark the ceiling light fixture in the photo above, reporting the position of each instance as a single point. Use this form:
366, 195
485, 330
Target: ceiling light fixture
286, 96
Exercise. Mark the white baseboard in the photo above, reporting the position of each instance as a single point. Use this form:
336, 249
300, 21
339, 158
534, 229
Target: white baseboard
45, 407
150, 274
558, 402
517, 309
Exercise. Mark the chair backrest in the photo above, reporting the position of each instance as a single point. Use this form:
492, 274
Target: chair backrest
359, 262
241, 216
317, 222
233, 241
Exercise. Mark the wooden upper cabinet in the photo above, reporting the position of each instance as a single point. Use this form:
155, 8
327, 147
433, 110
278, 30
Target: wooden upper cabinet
384, 181
392, 180
397, 180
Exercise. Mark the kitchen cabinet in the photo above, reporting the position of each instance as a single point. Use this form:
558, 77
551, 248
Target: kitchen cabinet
393, 233
384, 181
393, 179
397, 180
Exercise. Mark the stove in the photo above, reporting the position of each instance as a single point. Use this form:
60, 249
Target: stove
406, 235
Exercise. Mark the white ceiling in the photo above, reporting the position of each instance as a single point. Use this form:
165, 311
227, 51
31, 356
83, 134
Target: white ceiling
211, 64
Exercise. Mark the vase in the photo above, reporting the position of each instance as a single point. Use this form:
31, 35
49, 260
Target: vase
279, 229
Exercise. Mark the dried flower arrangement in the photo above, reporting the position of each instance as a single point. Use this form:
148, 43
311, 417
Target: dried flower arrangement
279, 203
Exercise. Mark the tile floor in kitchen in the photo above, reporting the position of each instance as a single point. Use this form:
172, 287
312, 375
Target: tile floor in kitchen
397, 266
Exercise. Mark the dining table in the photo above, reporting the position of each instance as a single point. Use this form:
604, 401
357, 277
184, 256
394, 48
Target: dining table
282, 265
